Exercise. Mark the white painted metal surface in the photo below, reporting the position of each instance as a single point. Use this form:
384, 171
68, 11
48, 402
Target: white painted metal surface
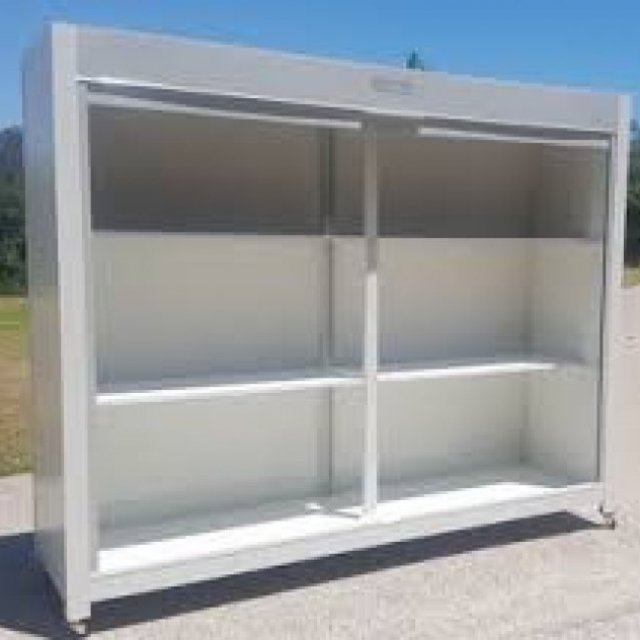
521, 138
121, 59
168, 390
44, 319
371, 335
471, 367
59, 232
193, 464
281, 534
269, 320
277, 524
168, 107
377, 315
609, 438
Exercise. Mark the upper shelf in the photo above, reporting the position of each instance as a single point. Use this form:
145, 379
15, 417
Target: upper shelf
468, 367
169, 390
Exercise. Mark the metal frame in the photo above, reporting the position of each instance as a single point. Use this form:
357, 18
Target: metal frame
517, 136
381, 86
325, 210
611, 299
371, 313
73, 93
126, 102
78, 387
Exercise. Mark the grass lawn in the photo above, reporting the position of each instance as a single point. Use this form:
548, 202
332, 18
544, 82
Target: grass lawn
632, 276
14, 441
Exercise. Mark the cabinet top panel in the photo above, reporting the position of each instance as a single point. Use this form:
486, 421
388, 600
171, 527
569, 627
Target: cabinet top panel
130, 59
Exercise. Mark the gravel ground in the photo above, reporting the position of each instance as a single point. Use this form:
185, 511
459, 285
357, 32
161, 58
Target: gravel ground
546, 578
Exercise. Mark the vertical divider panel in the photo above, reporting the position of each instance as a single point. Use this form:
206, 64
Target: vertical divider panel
325, 209
371, 309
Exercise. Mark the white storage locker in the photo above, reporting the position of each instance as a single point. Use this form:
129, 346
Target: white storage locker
286, 307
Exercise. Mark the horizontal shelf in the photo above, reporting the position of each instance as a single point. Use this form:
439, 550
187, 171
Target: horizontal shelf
483, 497
467, 367
168, 390
171, 390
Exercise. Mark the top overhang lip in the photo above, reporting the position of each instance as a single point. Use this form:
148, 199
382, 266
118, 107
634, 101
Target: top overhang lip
117, 58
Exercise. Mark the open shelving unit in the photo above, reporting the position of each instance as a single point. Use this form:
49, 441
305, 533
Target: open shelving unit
266, 347
302, 326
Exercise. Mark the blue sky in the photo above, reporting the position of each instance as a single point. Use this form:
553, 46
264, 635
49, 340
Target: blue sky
592, 43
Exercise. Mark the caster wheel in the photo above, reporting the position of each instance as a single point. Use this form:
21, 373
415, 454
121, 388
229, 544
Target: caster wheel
80, 628
608, 518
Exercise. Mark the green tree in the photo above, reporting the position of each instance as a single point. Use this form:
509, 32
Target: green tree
12, 231
633, 199
415, 61
12, 236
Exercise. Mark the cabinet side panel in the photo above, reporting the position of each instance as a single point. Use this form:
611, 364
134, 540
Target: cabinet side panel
613, 439
72, 218
44, 312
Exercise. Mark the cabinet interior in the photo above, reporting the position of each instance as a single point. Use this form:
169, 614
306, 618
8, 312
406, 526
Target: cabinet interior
228, 278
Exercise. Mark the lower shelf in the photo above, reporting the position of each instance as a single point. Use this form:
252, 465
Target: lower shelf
147, 558
170, 390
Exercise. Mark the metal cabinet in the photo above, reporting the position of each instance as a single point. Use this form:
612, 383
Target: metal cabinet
285, 307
